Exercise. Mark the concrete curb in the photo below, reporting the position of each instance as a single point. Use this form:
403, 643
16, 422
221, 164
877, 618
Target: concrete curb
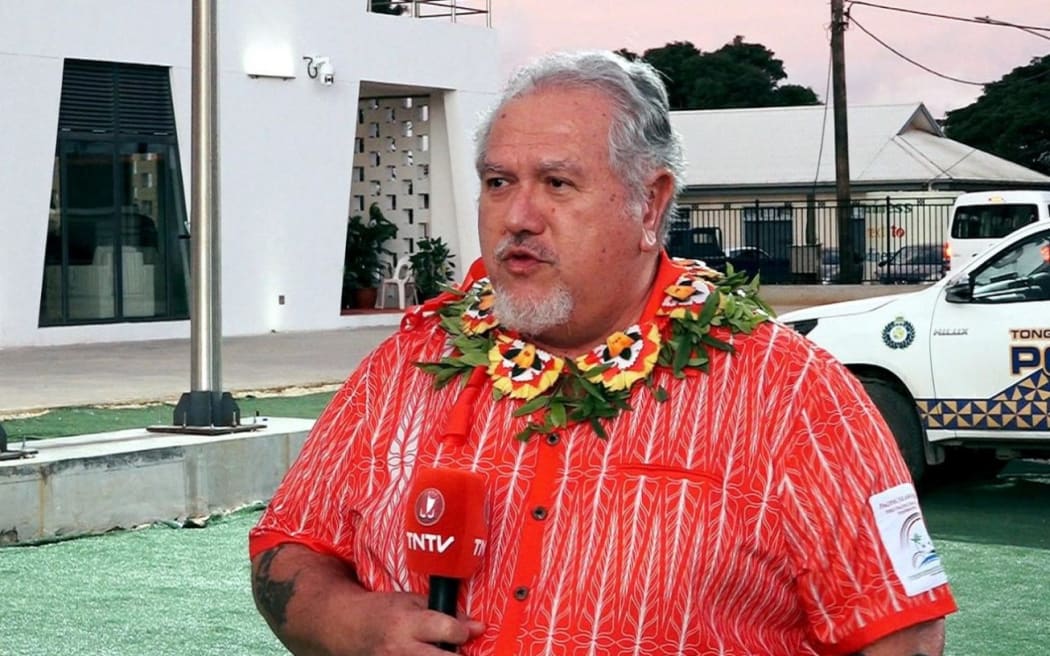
90, 484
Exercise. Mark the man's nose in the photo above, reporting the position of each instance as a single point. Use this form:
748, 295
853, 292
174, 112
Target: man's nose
524, 213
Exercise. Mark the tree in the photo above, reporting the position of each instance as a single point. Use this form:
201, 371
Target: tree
678, 62
739, 74
1009, 119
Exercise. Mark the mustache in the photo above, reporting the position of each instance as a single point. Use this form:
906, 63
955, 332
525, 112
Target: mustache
523, 244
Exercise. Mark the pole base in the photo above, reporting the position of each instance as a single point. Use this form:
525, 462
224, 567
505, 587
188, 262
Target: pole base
204, 408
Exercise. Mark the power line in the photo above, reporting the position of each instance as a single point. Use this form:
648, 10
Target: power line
823, 124
984, 20
910, 60
1023, 28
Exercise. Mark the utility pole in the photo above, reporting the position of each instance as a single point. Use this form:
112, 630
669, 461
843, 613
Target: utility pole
849, 259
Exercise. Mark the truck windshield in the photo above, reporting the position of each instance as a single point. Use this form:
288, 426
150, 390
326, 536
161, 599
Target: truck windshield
991, 221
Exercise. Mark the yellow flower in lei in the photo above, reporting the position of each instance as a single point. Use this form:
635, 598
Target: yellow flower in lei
597, 386
478, 317
687, 295
520, 370
628, 356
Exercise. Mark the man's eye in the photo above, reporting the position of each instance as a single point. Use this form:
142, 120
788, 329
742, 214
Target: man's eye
557, 183
495, 183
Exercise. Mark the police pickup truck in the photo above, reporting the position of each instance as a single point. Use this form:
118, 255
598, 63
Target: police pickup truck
961, 369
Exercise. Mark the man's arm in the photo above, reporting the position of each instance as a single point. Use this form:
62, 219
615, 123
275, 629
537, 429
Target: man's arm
315, 606
926, 639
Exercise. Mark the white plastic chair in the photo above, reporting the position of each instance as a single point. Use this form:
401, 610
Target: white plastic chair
401, 280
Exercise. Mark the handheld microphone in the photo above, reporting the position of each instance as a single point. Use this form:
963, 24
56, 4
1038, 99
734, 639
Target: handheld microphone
446, 532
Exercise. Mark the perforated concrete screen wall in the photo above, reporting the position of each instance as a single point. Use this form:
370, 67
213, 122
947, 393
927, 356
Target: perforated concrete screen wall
392, 165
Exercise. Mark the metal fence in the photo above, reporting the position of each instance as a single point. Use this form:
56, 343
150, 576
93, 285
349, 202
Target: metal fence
895, 239
453, 10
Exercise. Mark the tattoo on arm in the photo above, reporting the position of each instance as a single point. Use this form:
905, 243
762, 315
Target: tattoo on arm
272, 596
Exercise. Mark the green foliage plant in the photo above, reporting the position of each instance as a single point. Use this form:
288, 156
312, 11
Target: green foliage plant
431, 267
366, 257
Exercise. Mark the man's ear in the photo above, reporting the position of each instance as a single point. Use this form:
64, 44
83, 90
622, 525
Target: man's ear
658, 195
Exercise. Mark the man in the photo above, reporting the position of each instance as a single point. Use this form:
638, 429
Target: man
688, 478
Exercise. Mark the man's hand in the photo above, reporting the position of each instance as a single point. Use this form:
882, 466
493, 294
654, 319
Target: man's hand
315, 606
926, 639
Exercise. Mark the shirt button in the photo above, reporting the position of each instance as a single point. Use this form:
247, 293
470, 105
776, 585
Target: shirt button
539, 513
552, 439
521, 592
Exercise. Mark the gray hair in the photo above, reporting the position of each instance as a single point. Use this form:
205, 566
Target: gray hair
641, 139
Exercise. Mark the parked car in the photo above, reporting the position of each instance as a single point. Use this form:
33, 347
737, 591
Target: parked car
913, 264
756, 261
961, 364
697, 243
829, 265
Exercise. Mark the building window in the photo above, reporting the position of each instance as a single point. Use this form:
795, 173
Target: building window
116, 247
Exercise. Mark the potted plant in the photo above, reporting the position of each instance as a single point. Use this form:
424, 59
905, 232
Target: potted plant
431, 267
366, 256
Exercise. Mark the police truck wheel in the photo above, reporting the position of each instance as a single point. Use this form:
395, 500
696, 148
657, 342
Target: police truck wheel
903, 420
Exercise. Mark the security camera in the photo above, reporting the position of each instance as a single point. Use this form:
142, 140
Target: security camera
320, 68
326, 72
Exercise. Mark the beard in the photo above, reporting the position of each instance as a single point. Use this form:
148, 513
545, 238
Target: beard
533, 316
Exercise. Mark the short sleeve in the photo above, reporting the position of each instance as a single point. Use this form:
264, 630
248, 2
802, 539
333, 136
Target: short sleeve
316, 503
304, 508
866, 566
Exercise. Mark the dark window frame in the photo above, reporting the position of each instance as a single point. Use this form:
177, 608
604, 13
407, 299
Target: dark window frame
129, 107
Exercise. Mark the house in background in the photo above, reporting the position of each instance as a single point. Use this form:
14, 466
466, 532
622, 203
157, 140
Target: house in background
96, 124
766, 179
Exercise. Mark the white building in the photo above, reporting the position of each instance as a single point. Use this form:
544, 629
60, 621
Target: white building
94, 188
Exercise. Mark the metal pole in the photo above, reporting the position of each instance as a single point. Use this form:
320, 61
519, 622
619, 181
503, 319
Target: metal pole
205, 329
848, 259
889, 230
205, 406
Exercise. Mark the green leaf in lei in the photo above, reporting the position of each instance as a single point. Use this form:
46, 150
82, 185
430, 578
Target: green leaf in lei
575, 397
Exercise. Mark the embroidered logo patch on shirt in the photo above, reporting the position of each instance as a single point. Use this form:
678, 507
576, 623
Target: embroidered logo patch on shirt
906, 540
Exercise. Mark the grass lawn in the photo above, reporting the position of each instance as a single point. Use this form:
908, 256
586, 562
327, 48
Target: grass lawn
62, 422
164, 591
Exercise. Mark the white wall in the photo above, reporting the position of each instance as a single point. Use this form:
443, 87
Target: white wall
459, 113
285, 146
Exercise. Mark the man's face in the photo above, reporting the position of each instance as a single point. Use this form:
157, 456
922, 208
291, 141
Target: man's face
553, 222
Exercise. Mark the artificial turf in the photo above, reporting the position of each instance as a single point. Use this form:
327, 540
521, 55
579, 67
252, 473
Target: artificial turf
63, 422
163, 591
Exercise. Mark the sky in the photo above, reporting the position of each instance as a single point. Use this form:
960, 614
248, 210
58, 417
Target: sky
797, 32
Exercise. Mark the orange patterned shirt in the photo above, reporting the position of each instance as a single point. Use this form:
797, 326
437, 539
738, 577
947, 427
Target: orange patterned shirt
762, 508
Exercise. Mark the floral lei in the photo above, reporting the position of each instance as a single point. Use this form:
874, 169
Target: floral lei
597, 385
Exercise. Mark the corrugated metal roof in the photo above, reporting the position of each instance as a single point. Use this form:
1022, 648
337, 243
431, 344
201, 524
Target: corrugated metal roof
891, 144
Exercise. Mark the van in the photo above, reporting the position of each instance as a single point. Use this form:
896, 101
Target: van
980, 219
